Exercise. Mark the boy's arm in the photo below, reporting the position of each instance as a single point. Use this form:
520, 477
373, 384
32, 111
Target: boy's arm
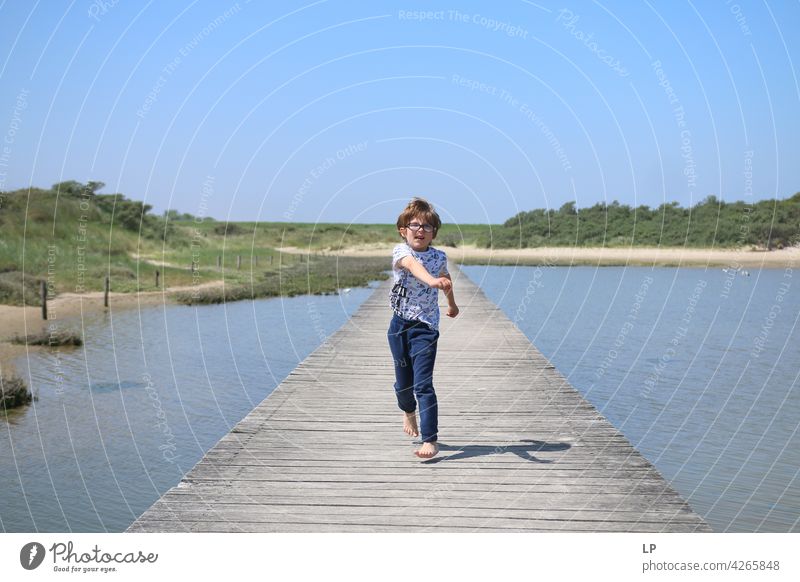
421, 273
452, 308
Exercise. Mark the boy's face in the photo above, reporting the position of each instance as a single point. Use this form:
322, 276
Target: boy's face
418, 239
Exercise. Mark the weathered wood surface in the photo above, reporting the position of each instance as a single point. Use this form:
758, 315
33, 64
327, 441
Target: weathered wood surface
521, 450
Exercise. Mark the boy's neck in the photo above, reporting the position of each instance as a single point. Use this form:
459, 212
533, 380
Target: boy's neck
420, 251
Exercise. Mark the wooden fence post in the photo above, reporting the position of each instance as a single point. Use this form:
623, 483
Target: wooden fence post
156, 278
44, 300
105, 295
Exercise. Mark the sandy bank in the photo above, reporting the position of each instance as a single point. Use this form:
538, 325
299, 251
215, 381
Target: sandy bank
668, 257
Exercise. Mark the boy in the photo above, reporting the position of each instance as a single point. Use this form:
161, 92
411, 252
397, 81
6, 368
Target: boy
419, 272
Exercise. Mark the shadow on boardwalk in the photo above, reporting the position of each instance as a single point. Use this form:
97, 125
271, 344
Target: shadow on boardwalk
523, 451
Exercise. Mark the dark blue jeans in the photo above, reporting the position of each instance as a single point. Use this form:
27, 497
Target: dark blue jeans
413, 345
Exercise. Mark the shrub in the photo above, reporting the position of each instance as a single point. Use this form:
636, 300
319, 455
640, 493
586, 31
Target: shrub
52, 339
13, 291
451, 239
228, 229
13, 392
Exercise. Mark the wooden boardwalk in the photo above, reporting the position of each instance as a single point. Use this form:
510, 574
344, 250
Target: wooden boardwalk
521, 450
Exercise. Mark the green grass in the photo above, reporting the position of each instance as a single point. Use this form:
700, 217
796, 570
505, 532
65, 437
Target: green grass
18, 290
318, 237
52, 238
73, 239
69, 242
315, 274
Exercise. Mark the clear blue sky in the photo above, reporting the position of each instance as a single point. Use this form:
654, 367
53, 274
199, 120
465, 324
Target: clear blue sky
340, 111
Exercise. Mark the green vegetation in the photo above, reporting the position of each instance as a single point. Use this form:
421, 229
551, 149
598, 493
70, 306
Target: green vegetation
329, 237
50, 339
318, 275
13, 392
16, 289
712, 222
71, 237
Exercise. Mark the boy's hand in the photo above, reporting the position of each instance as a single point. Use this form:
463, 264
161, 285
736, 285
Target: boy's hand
452, 310
442, 283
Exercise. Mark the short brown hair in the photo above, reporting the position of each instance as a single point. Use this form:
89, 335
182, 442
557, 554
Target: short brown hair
419, 207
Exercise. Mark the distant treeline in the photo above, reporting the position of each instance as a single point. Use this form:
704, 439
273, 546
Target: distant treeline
712, 222
81, 199
59, 210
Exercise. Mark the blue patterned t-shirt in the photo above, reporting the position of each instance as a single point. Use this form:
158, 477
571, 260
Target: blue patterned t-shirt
410, 297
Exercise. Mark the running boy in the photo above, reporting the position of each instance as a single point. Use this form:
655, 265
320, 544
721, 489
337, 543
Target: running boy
419, 272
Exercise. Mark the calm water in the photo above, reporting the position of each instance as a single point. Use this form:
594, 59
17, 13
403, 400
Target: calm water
698, 368
120, 420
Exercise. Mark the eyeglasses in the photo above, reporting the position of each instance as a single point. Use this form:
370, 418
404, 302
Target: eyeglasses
415, 226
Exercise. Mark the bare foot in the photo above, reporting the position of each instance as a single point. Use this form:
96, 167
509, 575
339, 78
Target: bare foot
410, 423
427, 450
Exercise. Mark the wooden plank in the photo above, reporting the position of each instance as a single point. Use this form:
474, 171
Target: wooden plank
635, 489
521, 449
171, 524
411, 515
659, 503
